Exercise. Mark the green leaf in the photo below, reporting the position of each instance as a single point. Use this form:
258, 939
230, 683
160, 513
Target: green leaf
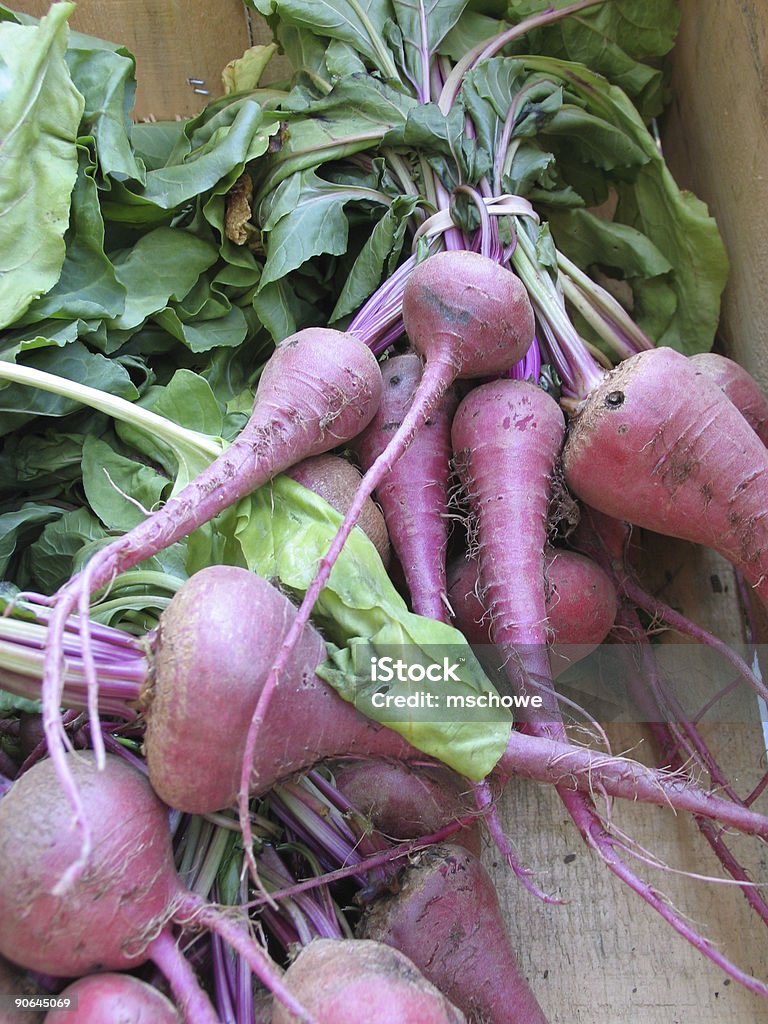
216, 144
121, 491
305, 218
88, 286
20, 403
378, 257
16, 527
353, 117
284, 531
341, 59
424, 24
105, 75
361, 23
304, 51
187, 400
650, 202
434, 134
613, 39
534, 173
244, 73
163, 264
53, 557
10, 704
280, 309
46, 334
618, 249
594, 140
473, 28
39, 116
154, 141
200, 334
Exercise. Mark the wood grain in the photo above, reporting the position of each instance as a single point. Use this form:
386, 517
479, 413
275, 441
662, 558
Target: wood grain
173, 41
604, 956
716, 142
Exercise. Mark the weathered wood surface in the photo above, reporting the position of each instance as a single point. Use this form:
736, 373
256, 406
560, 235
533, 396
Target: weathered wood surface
603, 956
716, 141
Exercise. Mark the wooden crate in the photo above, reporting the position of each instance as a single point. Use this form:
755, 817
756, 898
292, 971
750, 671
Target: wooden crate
602, 956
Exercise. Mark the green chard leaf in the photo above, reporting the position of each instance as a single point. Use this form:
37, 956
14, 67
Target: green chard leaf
16, 527
88, 286
163, 264
423, 25
40, 113
188, 401
120, 490
283, 531
681, 308
377, 258
20, 403
615, 40
361, 23
211, 147
281, 310
53, 557
48, 463
105, 75
354, 116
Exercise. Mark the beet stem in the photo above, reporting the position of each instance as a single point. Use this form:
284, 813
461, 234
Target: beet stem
233, 933
193, 1002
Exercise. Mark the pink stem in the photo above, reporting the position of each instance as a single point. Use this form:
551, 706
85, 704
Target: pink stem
669, 745
595, 836
375, 860
235, 935
566, 764
487, 807
194, 1004
648, 690
656, 607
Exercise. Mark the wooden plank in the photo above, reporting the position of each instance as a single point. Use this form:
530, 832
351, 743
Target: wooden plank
716, 142
604, 955
173, 41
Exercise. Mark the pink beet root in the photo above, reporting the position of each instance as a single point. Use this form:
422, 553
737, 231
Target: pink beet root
658, 444
446, 918
118, 912
346, 981
414, 494
317, 391
210, 661
129, 894
580, 600
407, 802
113, 999
466, 316
739, 386
469, 311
